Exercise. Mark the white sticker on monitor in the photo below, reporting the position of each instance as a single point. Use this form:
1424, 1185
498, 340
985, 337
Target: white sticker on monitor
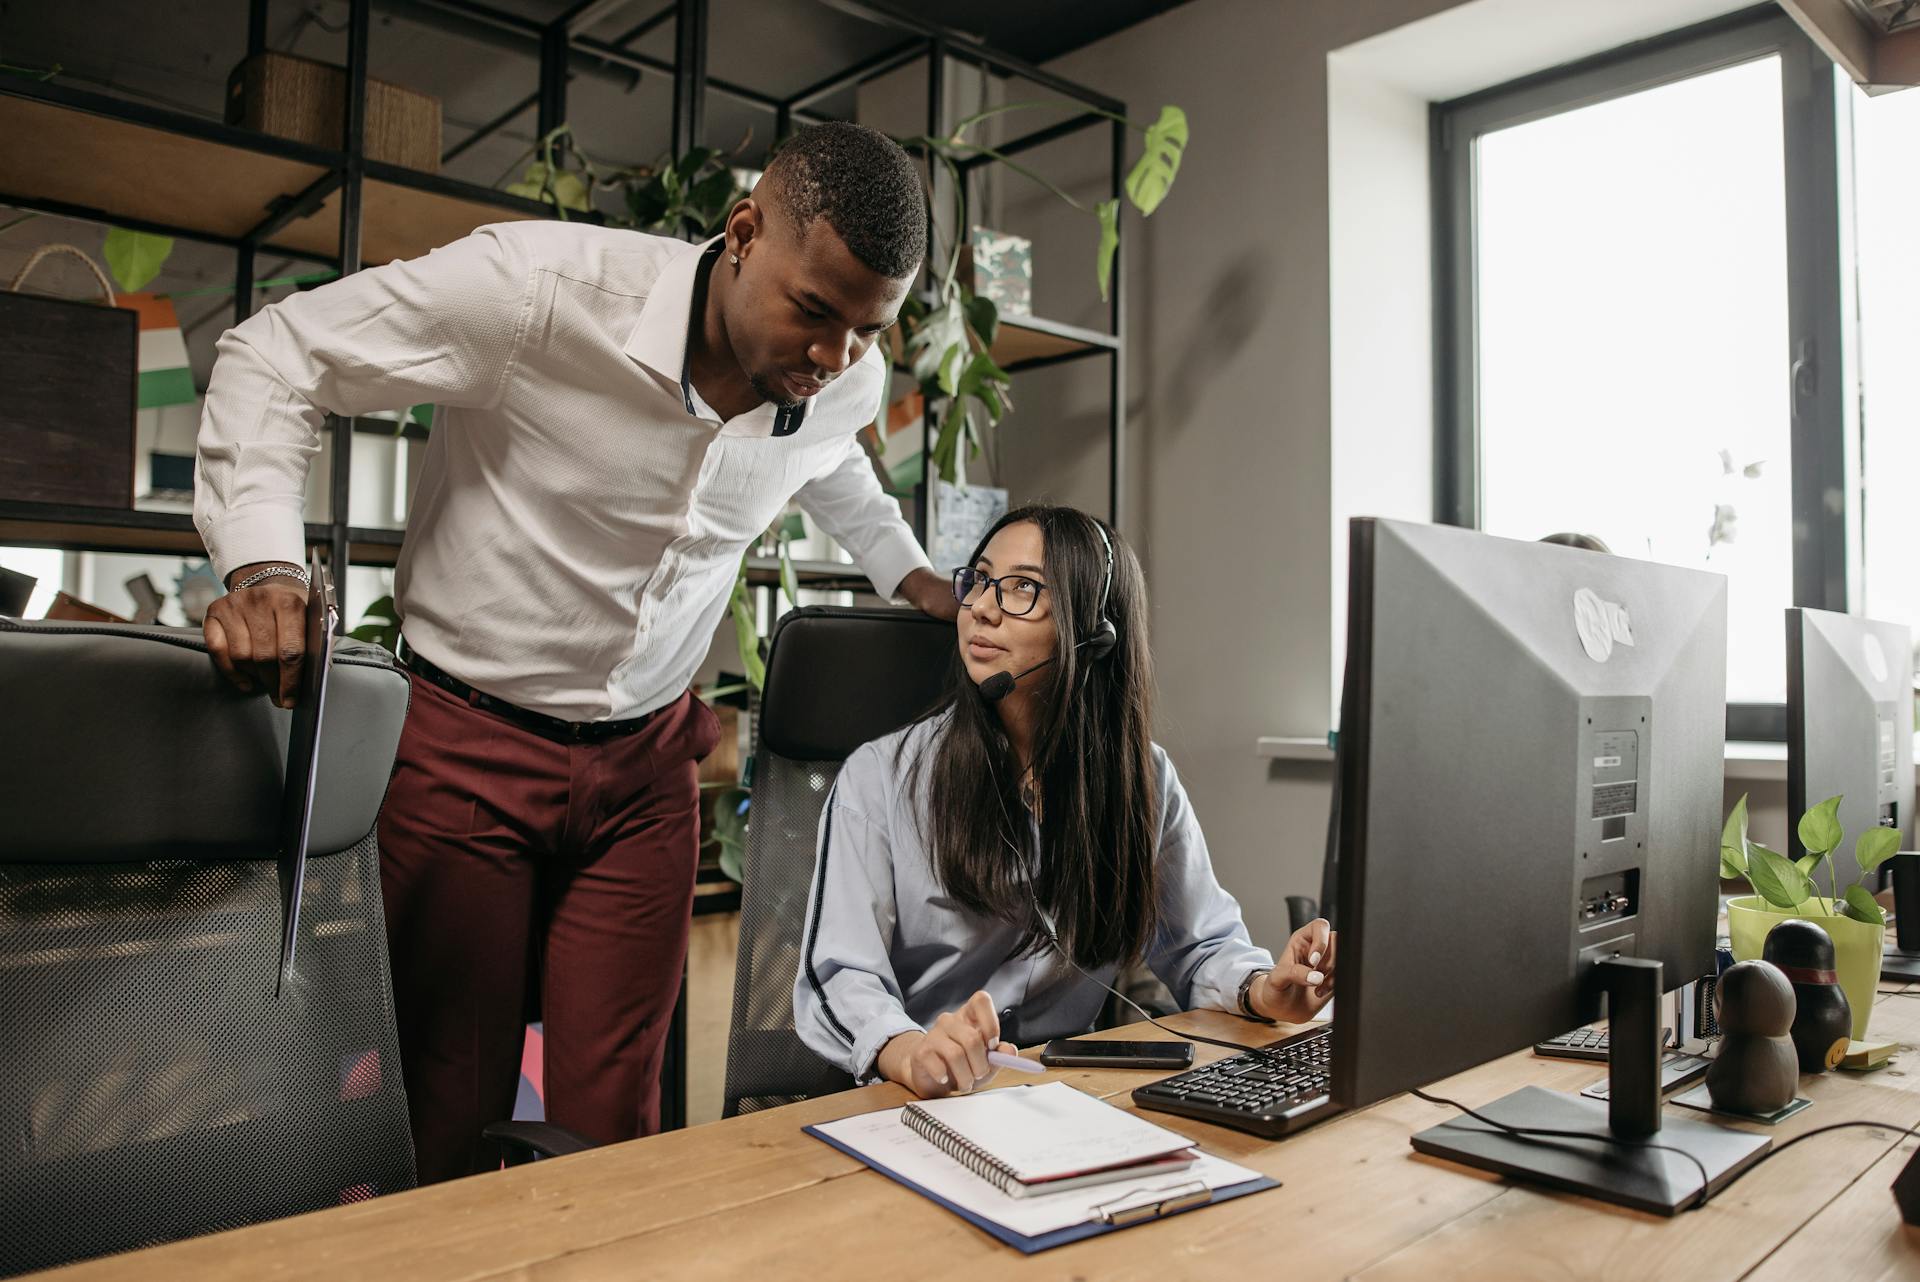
1875, 655
1601, 624
1594, 622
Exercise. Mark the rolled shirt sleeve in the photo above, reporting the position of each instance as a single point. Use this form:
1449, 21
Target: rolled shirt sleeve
1201, 950
441, 329
849, 504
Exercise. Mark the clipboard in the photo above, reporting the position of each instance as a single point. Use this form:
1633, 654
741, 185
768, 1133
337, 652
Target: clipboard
1122, 1212
303, 762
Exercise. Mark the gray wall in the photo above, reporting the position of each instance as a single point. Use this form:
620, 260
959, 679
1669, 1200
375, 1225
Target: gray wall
1228, 402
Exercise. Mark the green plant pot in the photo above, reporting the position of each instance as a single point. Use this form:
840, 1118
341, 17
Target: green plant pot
1857, 946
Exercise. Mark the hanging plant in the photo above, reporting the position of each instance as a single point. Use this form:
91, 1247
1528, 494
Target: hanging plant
949, 336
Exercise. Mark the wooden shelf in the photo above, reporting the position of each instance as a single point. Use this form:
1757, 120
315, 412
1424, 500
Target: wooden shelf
1028, 342
401, 221
146, 174
84, 529
764, 571
81, 529
80, 156
1025, 342
98, 529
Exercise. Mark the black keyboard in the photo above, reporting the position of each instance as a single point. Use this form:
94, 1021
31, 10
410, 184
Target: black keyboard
1581, 1043
1270, 1092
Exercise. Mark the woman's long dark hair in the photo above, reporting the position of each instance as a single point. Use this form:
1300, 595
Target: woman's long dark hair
1092, 767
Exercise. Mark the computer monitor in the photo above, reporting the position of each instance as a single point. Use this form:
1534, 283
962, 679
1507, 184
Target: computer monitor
1531, 750
1850, 733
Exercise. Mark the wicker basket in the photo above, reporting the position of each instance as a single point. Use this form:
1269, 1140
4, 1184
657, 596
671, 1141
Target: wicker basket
306, 101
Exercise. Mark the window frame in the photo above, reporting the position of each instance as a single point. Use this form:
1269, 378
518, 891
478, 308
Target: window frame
1815, 363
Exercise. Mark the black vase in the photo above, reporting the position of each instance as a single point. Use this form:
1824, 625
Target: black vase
1823, 1020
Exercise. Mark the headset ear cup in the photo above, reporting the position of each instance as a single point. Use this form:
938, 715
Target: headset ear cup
1105, 637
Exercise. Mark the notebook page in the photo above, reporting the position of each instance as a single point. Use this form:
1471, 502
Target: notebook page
1045, 1132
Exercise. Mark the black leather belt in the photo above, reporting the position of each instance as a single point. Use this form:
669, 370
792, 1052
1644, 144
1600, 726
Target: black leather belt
538, 722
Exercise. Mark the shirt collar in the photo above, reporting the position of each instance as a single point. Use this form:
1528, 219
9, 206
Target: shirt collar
667, 318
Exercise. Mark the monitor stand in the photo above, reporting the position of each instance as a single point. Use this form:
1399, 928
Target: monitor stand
1617, 1163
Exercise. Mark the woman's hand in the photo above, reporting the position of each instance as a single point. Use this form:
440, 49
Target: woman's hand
1301, 981
950, 1058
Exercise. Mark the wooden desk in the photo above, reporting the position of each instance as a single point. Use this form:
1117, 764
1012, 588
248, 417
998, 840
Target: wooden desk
753, 1197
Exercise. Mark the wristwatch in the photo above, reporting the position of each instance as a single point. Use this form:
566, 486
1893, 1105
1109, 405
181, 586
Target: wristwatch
1246, 994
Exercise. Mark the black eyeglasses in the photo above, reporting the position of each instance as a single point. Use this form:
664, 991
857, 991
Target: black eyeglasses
1016, 594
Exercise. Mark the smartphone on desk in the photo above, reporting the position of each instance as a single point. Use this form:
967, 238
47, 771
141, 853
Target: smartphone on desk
1084, 1052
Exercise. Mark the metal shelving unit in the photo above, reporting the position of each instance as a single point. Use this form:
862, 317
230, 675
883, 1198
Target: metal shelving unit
337, 208
106, 159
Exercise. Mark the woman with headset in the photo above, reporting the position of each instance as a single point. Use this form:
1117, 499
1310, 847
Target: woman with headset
984, 874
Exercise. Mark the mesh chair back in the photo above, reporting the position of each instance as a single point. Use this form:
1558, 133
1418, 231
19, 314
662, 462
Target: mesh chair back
836, 678
155, 1086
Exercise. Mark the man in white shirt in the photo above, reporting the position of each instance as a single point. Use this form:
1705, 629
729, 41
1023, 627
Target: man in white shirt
618, 417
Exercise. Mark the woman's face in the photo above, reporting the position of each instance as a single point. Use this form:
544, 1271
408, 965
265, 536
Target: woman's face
996, 638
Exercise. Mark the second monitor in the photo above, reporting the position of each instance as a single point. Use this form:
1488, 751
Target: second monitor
1850, 735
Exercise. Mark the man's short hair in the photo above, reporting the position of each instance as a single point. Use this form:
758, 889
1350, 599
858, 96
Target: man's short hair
863, 184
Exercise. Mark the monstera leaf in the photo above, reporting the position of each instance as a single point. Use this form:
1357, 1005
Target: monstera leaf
1153, 174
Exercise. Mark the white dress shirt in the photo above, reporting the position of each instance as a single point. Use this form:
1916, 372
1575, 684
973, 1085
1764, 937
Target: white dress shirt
578, 524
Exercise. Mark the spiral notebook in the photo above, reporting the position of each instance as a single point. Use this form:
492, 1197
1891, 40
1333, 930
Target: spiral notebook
1044, 1139
882, 1141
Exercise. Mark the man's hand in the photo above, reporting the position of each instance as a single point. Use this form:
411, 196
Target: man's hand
258, 635
1301, 981
930, 594
951, 1057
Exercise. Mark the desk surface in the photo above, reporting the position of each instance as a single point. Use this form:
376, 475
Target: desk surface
753, 1197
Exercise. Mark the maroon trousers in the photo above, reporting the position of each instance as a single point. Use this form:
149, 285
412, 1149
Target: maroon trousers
507, 860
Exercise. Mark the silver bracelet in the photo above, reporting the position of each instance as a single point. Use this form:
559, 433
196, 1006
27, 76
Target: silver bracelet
274, 572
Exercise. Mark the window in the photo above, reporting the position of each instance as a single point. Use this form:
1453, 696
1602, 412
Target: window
1640, 288
1886, 135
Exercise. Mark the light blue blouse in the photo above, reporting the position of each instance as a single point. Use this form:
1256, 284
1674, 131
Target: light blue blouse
886, 950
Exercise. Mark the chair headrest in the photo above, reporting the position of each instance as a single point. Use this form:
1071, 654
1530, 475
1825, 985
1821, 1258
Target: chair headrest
123, 744
839, 677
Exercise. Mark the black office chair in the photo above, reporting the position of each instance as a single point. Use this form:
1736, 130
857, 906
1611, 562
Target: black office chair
836, 678
154, 1085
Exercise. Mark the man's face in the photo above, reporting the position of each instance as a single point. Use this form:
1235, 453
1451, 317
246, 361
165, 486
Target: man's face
802, 310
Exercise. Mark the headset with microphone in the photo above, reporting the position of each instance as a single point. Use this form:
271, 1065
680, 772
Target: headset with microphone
1098, 643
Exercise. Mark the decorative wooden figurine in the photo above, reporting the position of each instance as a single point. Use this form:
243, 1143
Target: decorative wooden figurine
1755, 1071
1823, 1020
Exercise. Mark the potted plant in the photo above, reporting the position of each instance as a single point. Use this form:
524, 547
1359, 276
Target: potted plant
1786, 888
